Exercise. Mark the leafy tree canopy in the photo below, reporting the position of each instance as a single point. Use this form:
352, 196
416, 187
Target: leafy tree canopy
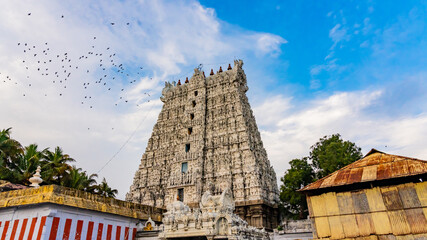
332, 153
299, 175
329, 154
18, 164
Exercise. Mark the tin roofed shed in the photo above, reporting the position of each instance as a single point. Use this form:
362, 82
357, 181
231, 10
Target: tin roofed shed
381, 196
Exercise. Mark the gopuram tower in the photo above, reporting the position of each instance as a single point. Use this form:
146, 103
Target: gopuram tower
205, 138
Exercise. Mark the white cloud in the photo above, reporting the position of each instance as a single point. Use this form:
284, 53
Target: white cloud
330, 55
345, 113
338, 34
367, 26
163, 37
274, 108
315, 84
269, 43
364, 44
329, 66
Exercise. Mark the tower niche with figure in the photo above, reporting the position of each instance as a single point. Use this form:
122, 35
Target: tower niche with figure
206, 137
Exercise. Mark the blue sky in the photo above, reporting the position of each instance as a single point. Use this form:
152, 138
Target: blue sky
314, 68
336, 45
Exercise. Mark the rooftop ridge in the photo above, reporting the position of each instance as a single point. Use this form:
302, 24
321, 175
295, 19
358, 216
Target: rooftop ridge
410, 170
76, 198
173, 86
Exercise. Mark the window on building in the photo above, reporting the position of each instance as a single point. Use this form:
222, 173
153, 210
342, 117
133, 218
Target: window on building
190, 131
191, 116
184, 167
187, 147
196, 93
180, 194
194, 103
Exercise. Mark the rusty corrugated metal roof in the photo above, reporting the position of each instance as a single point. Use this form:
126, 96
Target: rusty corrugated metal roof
375, 165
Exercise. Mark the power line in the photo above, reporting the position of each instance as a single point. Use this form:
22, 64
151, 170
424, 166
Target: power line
127, 141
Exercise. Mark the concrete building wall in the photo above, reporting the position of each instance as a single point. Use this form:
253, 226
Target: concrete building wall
386, 212
52, 221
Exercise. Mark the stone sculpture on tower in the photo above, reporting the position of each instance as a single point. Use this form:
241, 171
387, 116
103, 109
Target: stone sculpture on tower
206, 133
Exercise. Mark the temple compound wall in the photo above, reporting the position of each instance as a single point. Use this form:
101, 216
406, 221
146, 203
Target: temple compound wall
56, 212
206, 133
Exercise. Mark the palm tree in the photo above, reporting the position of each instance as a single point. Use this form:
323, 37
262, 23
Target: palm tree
90, 183
55, 165
9, 148
18, 164
104, 190
9, 151
26, 164
79, 179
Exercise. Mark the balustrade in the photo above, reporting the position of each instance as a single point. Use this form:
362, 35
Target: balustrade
181, 179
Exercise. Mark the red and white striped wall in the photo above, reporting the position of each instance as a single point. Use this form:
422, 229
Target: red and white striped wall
50, 222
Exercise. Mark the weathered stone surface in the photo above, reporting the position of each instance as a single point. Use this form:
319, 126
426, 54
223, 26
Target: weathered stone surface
297, 226
214, 219
206, 133
70, 197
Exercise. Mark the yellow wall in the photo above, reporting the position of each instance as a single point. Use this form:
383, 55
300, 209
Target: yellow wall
75, 198
377, 213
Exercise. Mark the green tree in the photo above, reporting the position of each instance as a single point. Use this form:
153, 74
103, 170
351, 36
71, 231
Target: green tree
55, 166
105, 190
9, 148
26, 164
299, 175
332, 153
80, 180
329, 154
18, 164
9, 151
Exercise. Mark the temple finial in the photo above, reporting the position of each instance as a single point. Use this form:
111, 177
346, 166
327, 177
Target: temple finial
36, 179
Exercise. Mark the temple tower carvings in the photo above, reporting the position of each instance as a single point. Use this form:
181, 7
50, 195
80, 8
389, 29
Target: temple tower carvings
206, 138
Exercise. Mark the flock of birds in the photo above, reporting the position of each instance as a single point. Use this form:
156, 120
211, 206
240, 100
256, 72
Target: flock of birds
43, 62
96, 68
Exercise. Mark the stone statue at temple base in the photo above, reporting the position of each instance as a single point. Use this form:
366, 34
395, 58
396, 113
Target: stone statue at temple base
214, 219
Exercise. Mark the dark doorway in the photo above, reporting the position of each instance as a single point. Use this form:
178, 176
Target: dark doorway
181, 194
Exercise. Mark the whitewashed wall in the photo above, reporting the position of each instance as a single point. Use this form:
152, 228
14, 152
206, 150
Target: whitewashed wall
51, 221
